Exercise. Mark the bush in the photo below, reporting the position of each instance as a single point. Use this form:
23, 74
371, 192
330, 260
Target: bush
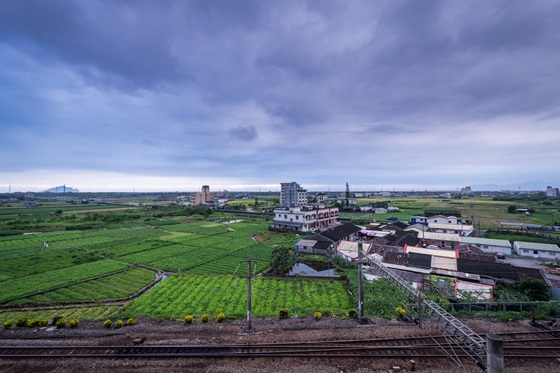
204, 318
400, 311
118, 324
352, 313
317, 315
130, 321
22, 321
44, 322
221, 317
188, 319
61, 323
8, 324
73, 323
107, 323
33, 323
283, 313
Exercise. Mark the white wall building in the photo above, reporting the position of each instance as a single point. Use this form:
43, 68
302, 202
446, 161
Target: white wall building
461, 229
537, 250
440, 219
552, 192
305, 218
488, 245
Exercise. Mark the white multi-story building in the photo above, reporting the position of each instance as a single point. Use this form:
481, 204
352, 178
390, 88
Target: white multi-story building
305, 218
552, 192
292, 194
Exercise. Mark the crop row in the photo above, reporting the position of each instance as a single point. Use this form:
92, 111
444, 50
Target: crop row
85, 313
51, 279
181, 295
119, 285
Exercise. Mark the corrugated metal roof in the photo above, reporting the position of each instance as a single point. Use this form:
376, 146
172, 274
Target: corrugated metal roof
486, 241
514, 224
439, 236
537, 246
306, 242
434, 252
350, 249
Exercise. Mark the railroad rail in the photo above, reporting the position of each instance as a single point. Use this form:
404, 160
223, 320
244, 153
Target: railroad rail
516, 346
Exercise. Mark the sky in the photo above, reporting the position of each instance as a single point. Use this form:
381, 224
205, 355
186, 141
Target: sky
168, 95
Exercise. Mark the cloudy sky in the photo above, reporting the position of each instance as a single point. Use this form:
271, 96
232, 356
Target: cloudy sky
243, 95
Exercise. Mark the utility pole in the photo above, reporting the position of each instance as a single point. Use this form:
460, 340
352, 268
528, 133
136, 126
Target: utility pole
249, 325
360, 284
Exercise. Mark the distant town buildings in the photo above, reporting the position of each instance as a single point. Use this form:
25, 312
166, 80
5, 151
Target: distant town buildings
466, 190
552, 192
321, 197
292, 194
202, 197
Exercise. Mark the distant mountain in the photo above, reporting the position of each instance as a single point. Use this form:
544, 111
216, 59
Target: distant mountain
62, 189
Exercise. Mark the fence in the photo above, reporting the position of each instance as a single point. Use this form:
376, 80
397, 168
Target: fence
550, 308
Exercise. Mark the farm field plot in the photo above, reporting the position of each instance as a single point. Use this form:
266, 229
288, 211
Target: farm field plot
206, 228
115, 286
181, 295
47, 280
84, 313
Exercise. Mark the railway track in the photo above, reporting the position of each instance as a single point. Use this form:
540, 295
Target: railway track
524, 345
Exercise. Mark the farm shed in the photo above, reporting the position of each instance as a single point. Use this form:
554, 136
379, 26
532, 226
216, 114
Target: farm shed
487, 245
440, 239
537, 250
480, 290
313, 245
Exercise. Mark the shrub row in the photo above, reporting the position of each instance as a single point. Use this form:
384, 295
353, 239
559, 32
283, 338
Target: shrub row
33, 323
119, 323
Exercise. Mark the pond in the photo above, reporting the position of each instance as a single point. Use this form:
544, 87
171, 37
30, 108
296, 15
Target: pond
316, 269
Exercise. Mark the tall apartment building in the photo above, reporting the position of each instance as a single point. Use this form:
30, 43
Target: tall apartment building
552, 192
202, 197
292, 194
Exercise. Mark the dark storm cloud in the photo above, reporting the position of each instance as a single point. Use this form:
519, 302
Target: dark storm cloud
243, 132
150, 85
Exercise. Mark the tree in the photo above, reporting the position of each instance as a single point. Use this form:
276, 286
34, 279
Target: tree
281, 259
535, 290
512, 208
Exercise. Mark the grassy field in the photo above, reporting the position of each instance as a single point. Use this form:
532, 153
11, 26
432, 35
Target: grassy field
93, 253
179, 296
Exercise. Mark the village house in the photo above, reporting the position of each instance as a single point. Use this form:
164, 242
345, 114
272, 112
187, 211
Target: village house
488, 245
443, 240
537, 250
306, 218
460, 229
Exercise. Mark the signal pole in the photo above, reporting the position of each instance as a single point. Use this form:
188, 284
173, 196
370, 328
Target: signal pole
249, 327
360, 284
